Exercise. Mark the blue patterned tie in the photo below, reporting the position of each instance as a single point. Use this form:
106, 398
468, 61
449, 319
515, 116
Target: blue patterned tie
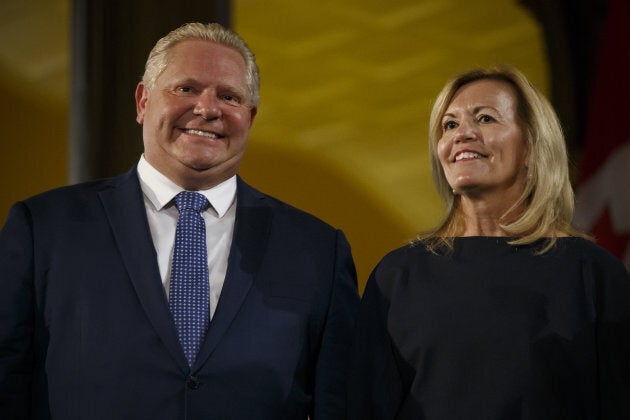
189, 296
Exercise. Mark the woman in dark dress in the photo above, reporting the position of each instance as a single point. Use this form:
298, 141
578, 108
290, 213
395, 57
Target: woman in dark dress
504, 311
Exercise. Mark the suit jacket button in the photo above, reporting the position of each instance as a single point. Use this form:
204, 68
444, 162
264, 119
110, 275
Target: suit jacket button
193, 382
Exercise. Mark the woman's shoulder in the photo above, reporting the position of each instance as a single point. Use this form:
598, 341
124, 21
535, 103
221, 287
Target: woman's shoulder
583, 247
590, 253
398, 264
402, 255
393, 269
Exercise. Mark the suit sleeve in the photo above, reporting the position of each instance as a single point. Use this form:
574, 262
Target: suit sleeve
333, 358
375, 387
16, 314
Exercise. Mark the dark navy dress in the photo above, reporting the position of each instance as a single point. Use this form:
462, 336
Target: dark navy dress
494, 331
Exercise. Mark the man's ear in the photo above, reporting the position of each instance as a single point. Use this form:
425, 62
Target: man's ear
252, 114
142, 94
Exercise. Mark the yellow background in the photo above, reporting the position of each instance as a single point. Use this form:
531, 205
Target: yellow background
347, 87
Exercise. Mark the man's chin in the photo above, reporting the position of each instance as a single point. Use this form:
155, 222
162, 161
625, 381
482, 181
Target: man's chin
200, 167
208, 168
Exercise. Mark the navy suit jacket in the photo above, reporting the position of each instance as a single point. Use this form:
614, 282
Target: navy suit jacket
86, 332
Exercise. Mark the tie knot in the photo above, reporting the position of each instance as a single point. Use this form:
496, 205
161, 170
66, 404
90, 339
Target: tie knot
188, 200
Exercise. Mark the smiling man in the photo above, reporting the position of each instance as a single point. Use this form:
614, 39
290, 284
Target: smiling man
176, 290
197, 113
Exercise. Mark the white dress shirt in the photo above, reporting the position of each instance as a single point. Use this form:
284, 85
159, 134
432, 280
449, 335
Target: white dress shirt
159, 192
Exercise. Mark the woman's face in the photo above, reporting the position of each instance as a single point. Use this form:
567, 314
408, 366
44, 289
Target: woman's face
482, 149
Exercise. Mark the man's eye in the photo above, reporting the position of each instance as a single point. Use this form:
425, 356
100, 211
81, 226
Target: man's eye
231, 99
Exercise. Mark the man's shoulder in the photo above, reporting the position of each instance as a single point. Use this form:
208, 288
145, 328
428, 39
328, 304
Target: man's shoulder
81, 191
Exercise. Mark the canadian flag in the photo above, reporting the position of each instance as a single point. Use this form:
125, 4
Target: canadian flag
603, 191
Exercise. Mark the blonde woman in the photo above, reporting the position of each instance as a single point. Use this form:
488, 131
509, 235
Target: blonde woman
504, 311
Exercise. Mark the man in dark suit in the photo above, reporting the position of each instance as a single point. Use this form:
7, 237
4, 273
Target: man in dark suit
92, 320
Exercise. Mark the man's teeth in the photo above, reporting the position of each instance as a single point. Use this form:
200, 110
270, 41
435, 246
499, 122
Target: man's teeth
202, 133
467, 155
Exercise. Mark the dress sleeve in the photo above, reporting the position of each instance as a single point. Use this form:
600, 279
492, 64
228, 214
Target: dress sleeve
375, 390
613, 338
16, 314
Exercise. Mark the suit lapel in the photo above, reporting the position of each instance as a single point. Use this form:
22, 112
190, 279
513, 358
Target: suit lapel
125, 210
251, 232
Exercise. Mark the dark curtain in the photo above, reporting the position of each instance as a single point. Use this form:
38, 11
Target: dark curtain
111, 40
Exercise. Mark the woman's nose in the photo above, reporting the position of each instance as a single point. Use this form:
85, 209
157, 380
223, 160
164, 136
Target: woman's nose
466, 131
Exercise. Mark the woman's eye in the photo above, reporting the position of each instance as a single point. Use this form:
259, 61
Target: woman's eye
449, 125
485, 118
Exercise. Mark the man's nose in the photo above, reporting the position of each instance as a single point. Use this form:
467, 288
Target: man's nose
207, 106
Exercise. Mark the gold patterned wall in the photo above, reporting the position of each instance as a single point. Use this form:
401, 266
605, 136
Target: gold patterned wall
34, 75
347, 86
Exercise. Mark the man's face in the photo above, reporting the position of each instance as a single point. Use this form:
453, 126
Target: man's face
197, 117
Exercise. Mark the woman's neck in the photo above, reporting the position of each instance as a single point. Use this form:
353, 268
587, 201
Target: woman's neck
485, 216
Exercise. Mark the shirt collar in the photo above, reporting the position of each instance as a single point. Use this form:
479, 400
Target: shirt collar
160, 190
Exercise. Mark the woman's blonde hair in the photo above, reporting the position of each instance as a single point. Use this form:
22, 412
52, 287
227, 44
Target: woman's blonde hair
548, 196
214, 32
